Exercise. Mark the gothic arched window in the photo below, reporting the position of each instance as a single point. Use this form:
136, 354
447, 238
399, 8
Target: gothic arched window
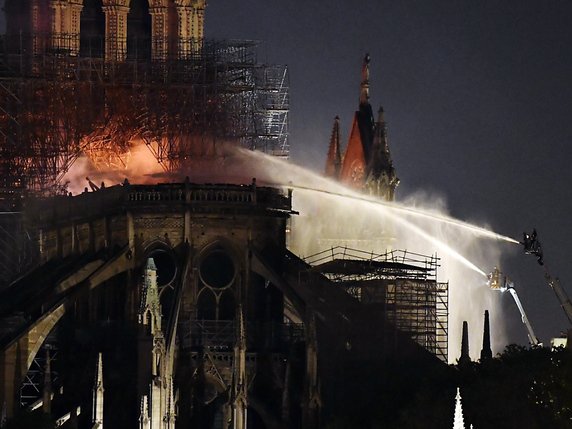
216, 295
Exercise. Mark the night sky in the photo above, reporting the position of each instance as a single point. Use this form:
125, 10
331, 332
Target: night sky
478, 97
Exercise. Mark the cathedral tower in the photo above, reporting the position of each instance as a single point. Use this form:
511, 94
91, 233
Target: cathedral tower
367, 163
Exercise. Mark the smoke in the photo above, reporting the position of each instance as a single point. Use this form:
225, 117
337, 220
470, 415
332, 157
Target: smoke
327, 220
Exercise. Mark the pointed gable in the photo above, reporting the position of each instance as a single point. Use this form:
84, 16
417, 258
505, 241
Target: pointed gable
361, 136
354, 164
367, 163
334, 161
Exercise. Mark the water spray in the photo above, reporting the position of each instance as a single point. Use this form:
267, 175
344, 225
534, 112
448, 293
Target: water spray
443, 246
328, 187
415, 212
410, 226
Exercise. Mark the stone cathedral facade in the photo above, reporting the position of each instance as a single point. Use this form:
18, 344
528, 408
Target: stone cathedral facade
169, 28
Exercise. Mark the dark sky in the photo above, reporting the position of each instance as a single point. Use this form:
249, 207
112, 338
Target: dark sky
478, 96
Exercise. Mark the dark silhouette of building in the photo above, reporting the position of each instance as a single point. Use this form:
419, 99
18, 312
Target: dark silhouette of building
200, 312
465, 358
486, 351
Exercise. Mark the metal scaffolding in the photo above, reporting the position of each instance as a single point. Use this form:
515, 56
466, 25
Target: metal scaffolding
57, 103
403, 284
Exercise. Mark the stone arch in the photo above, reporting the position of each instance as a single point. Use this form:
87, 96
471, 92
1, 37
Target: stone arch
40, 331
218, 271
92, 29
165, 259
17, 356
206, 305
223, 244
227, 306
139, 30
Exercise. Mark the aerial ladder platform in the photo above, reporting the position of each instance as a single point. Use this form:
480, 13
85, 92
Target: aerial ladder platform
503, 284
532, 247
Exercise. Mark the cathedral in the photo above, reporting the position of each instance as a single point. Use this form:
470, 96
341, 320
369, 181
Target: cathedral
179, 305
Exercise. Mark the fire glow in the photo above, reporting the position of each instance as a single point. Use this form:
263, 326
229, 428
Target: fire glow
328, 209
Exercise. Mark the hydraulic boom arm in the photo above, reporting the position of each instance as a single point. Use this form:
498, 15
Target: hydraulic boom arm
532, 247
560, 294
503, 284
531, 336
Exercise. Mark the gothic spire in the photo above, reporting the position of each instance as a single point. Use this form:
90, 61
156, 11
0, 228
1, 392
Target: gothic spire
364, 86
171, 417
238, 394
97, 412
144, 421
334, 161
486, 352
380, 161
381, 130
150, 312
465, 358
240, 350
458, 422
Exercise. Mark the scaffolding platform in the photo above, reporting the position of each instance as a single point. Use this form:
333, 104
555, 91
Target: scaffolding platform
402, 284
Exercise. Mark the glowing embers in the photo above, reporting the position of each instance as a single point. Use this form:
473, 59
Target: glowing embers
104, 154
113, 134
217, 277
